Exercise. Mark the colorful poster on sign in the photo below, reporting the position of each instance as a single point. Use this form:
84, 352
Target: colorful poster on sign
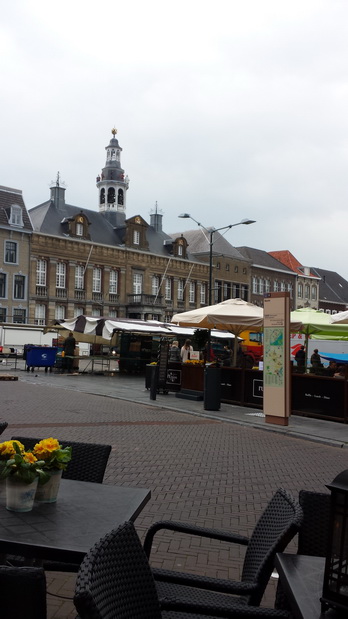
273, 363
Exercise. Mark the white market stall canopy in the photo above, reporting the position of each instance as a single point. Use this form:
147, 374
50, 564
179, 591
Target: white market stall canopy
102, 330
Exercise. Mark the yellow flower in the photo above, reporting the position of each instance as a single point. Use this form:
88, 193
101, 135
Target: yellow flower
44, 449
29, 457
7, 449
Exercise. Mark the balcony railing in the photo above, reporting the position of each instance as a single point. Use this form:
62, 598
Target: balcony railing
145, 299
61, 293
80, 295
113, 297
97, 296
41, 291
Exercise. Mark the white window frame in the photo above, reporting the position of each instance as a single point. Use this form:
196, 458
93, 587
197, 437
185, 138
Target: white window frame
136, 237
282, 286
155, 282
79, 229
60, 276
78, 311
112, 313
41, 272
137, 283
180, 250
267, 285
203, 293
97, 279
16, 216
261, 285
192, 292
96, 311
254, 285
59, 312
40, 314
79, 277
168, 289
113, 282
181, 289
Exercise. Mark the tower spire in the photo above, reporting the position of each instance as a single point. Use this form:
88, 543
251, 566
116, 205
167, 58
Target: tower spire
112, 183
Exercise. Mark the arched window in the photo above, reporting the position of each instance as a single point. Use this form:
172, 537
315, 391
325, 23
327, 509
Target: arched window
111, 195
120, 197
307, 289
314, 293
300, 291
102, 196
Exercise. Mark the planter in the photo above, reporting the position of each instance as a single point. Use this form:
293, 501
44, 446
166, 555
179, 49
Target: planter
20, 496
49, 491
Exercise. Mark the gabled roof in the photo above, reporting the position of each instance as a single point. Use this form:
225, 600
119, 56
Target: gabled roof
289, 260
332, 288
198, 243
10, 197
263, 259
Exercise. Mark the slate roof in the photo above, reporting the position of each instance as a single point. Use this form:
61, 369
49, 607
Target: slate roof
103, 229
9, 197
332, 288
198, 241
261, 258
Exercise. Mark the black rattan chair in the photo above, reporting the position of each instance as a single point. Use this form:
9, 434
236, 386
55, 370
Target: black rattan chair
88, 461
115, 582
3, 426
275, 528
22, 592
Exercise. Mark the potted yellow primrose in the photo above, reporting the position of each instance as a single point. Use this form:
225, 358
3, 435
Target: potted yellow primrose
55, 459
22, 470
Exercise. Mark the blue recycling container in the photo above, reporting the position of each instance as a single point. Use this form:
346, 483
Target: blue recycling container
41, 357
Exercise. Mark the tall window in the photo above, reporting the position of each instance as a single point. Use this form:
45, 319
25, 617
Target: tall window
112, 313
60, 276
155, 284
300, 291
290, 289
168, 289
3, 314
3, 285
203, 293
113, 282
41, 272
79, 229
60, 312
79, 277
19, 287
261, 285
136, 237
267, 285
96, 284
11, 252
40, 314
306, 293
180, 250
78, 311
192, 292
96, 311
282, 286
180, 290
255, 285
314, 293
137, 283
275, 286
19, 316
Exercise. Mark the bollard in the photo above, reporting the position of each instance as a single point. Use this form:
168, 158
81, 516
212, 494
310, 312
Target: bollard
154, 383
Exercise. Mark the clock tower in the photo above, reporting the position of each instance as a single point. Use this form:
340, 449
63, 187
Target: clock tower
112, 184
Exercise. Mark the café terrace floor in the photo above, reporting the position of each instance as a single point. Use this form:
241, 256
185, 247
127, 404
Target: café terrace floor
214, 468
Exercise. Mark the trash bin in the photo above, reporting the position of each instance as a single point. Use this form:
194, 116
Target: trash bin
212, 388
41, 357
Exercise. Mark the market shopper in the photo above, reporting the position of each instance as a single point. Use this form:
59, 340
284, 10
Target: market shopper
185, 351
69, 349
174, 352
316, 359
300, 357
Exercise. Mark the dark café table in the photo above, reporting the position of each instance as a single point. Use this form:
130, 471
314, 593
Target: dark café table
67, 529
301, 578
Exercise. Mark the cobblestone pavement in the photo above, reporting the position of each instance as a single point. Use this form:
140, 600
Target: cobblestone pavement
201, 470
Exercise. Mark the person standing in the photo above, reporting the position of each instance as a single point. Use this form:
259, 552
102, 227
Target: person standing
69, 349
174, 352
185, 351
315, 359
300, 357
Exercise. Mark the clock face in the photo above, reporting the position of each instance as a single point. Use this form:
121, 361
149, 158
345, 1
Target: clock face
137, 220
80, 220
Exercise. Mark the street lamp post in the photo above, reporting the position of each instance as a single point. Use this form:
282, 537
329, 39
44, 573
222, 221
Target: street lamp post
243, 222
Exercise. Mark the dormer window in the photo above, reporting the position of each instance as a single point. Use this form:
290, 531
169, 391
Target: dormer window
79, 229
16, 218
179, 247
80, 226
136, 237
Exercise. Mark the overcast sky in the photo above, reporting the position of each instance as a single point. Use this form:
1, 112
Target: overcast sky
224, 110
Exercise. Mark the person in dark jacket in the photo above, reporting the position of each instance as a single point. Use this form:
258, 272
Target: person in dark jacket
174, 352
300, 357
69, 349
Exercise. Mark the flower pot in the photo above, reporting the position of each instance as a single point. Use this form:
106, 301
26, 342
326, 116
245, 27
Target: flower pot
49, 491
20, 496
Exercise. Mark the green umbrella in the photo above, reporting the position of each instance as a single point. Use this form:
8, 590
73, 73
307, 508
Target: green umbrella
318, 325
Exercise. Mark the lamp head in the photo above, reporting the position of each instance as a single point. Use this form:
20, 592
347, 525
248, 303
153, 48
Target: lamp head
185, 216
246, 222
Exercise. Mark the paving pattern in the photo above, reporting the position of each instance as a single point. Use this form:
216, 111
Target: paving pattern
200, 470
